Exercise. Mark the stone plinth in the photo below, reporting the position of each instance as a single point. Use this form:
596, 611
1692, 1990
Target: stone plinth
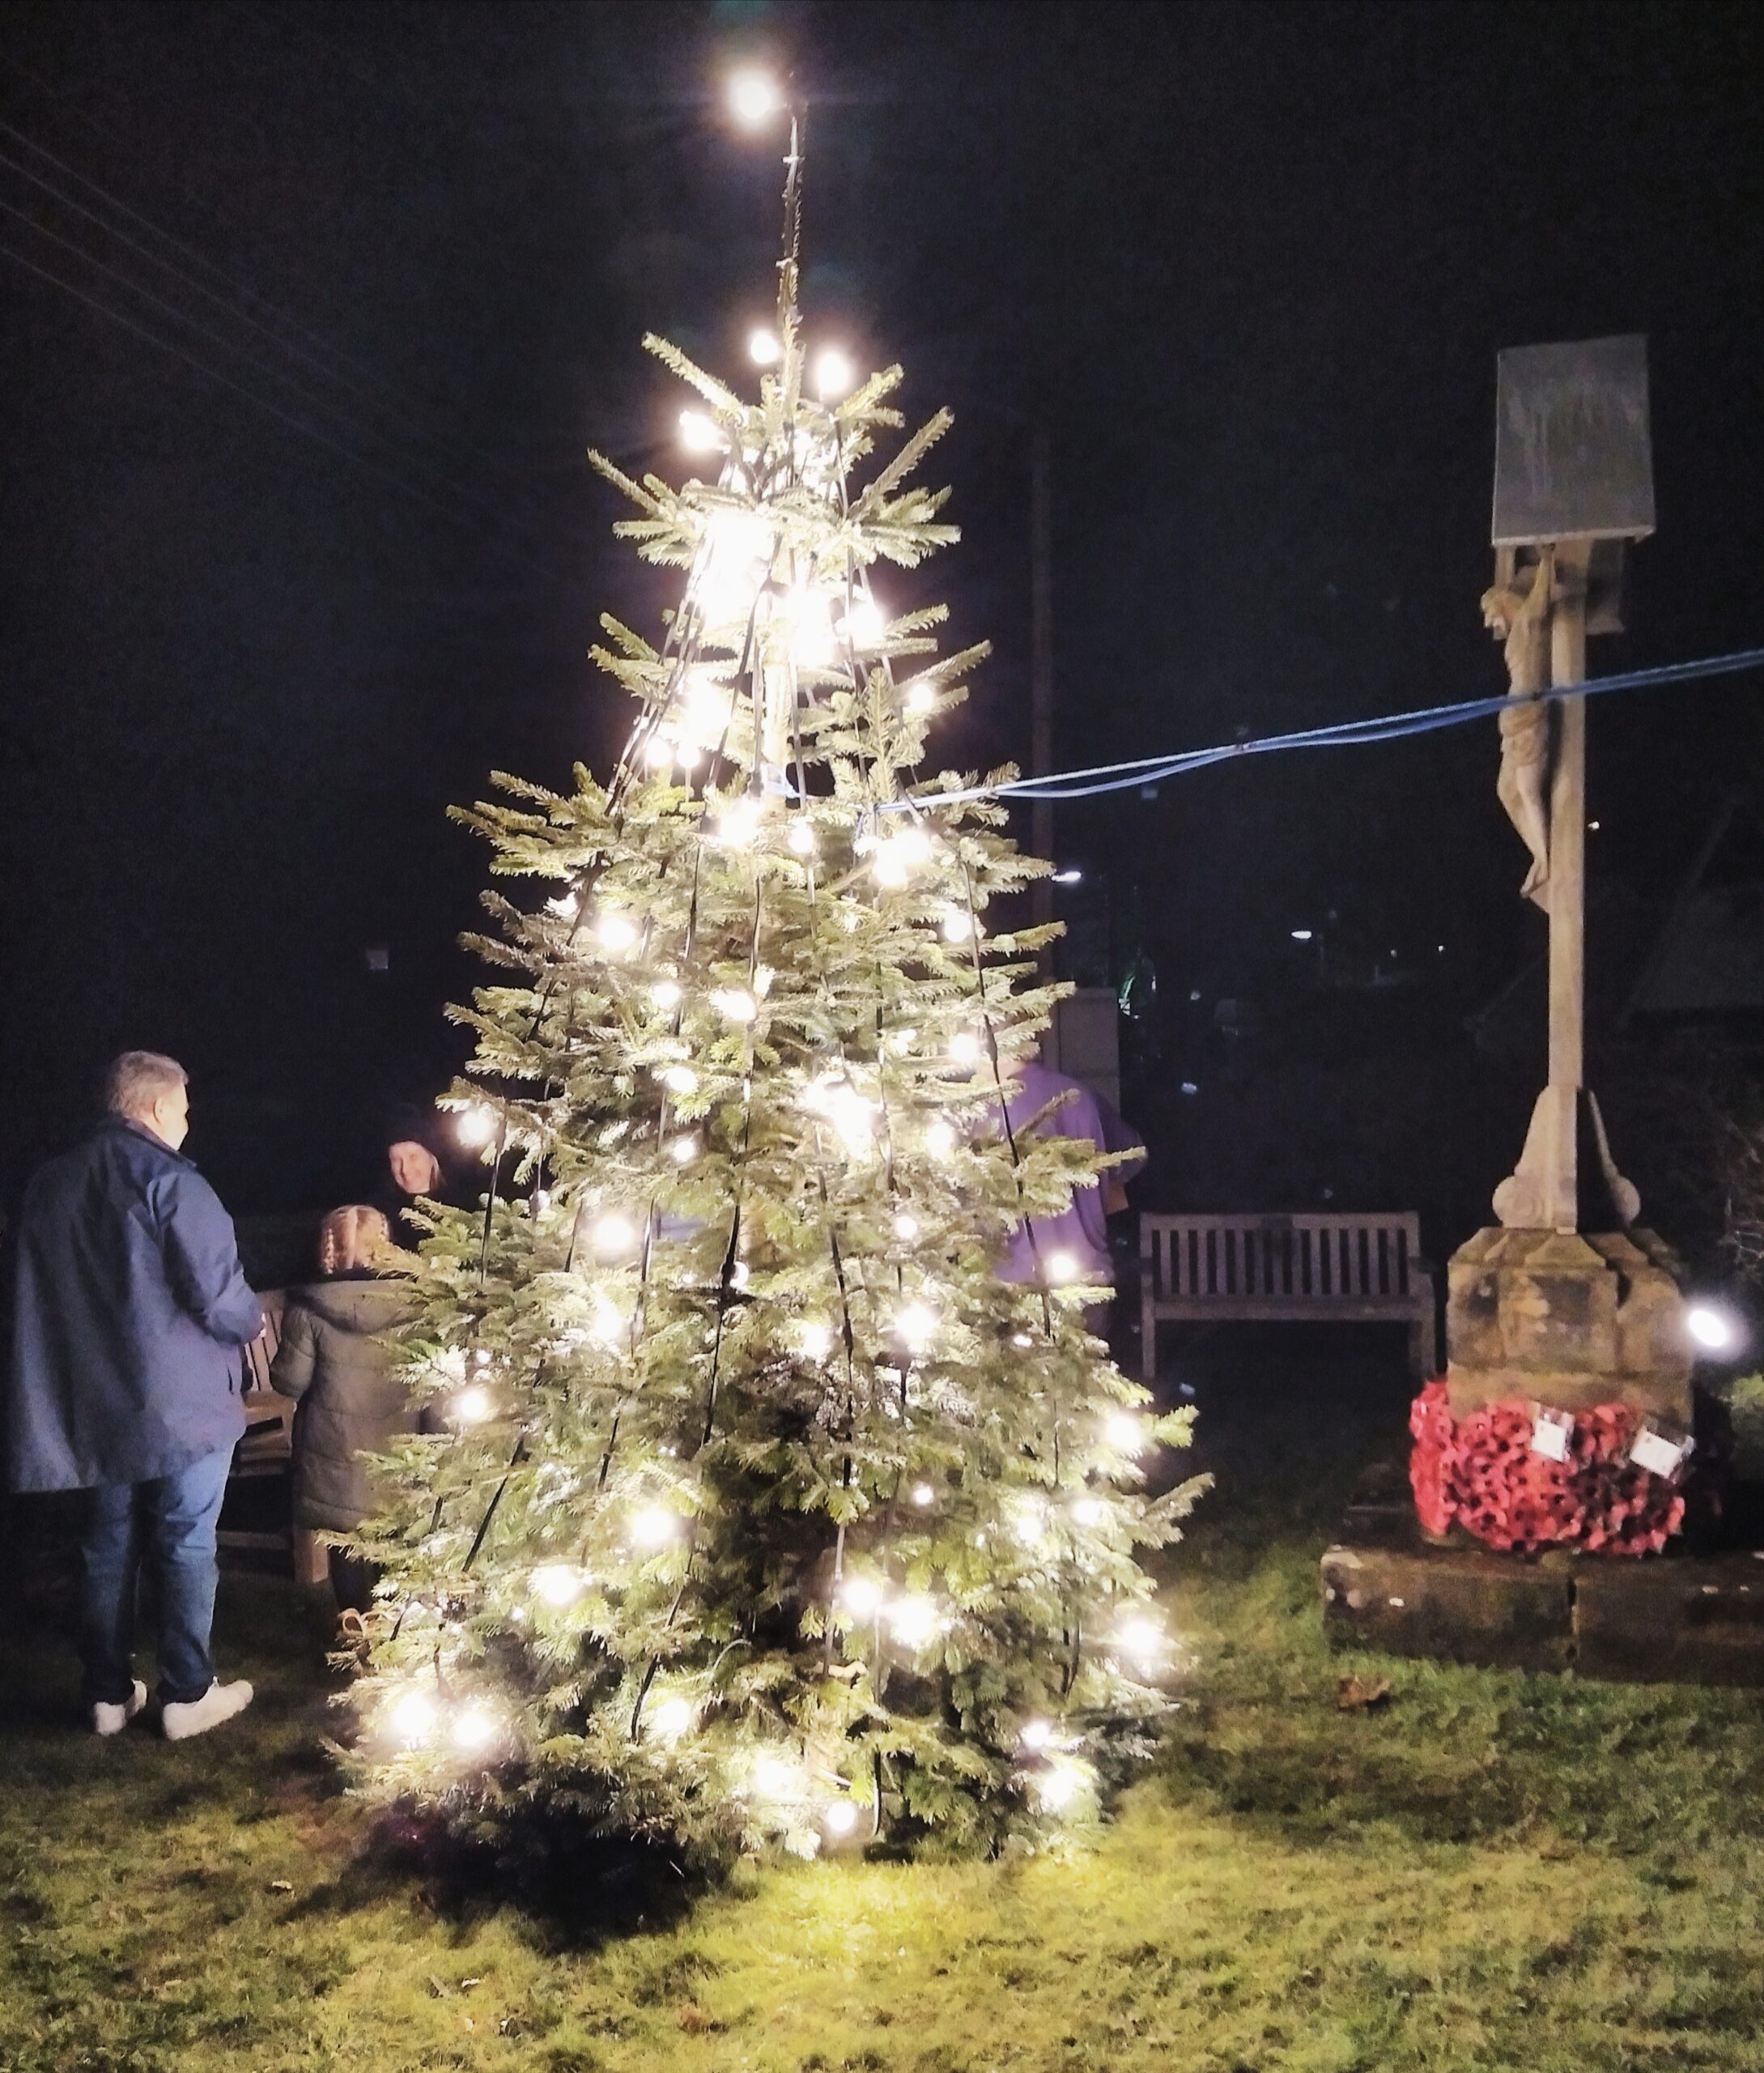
1570, 1322
1675, 1618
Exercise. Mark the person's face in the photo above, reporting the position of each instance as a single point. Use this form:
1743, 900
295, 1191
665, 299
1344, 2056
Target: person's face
415, 1170
169, 1117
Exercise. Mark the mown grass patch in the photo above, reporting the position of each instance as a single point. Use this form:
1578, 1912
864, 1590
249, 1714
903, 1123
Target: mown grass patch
1488, 1871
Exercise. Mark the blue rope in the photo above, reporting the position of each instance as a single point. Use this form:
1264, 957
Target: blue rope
1150, 770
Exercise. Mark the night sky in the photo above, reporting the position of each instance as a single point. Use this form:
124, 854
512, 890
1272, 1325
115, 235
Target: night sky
1249, 267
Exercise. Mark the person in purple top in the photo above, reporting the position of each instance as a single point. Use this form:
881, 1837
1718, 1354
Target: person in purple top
1073, 1246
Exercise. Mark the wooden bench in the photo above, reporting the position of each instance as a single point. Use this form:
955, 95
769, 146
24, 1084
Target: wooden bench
1290, 1269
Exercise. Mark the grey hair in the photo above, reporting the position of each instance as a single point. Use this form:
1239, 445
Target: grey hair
137, 1080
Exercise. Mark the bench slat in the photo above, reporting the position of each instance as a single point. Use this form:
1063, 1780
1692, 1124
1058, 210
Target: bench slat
1310, 1265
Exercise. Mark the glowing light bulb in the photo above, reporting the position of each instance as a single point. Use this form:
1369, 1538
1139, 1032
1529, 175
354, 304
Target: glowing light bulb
473, 1406
964, 1047
679, 1079
683, 1151
850, 1113
1036, 1734
473, 1730
864, 624
567, 906
939, 1138
1021, 1338
1087, 1512
773, 1778
763, 349
906, 1227
736, 557
698, 434
1029, 1521
1058, 1786
834, 374
923, 1495
1062, 1266
1712, 1329
481, 1358
665, 994
861, 1597
754, 97
557, 1583
958, 926
617, 930
801, 837
914, 843
738, 823
689, 756
413, 1715
812, 641
654, 1526
912, 1619
889, 865
917, 1326
658, 752
611, 1323
920, 697
840, 1818
614, 1234
1125, 1431
671, 1719
735, 1003
476, 1126
814, 1339
1142, 1639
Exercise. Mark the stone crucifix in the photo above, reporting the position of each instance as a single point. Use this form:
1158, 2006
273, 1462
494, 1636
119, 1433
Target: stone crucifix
1573, 482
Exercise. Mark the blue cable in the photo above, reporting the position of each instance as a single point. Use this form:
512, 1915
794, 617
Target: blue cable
1148, 770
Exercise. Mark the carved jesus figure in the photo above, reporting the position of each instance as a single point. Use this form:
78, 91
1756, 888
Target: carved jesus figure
1521, 618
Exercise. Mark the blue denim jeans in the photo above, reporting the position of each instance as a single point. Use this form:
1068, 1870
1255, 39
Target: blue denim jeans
169, 1524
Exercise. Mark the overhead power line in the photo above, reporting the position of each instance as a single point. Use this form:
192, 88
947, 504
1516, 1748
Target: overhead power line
251, 396
311, 397
238, 288
1343, 734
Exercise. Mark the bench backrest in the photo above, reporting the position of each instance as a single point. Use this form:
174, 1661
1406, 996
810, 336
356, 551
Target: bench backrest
262, 1352
1330, 1254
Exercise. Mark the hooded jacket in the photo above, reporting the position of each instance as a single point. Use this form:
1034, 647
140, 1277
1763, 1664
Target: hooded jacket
131, 1309
350, 1399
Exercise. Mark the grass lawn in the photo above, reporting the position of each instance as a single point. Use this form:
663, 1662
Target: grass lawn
1493, 1871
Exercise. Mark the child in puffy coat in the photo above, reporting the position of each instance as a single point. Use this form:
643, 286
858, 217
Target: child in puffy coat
350, 1399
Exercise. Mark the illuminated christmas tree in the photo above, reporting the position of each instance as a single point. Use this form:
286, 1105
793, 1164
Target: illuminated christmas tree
763, 1511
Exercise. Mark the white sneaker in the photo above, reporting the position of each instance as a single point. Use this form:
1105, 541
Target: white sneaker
112, 1720
219, 1702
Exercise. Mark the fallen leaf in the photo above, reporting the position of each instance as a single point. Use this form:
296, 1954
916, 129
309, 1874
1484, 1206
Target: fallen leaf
1357, 1694
694, 2021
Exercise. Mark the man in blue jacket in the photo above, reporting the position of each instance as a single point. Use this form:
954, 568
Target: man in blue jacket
131, 1309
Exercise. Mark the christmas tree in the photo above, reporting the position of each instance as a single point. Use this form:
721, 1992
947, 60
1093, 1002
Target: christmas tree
758, 1510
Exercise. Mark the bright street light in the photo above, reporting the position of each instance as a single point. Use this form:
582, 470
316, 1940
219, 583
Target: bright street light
1713, 1329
